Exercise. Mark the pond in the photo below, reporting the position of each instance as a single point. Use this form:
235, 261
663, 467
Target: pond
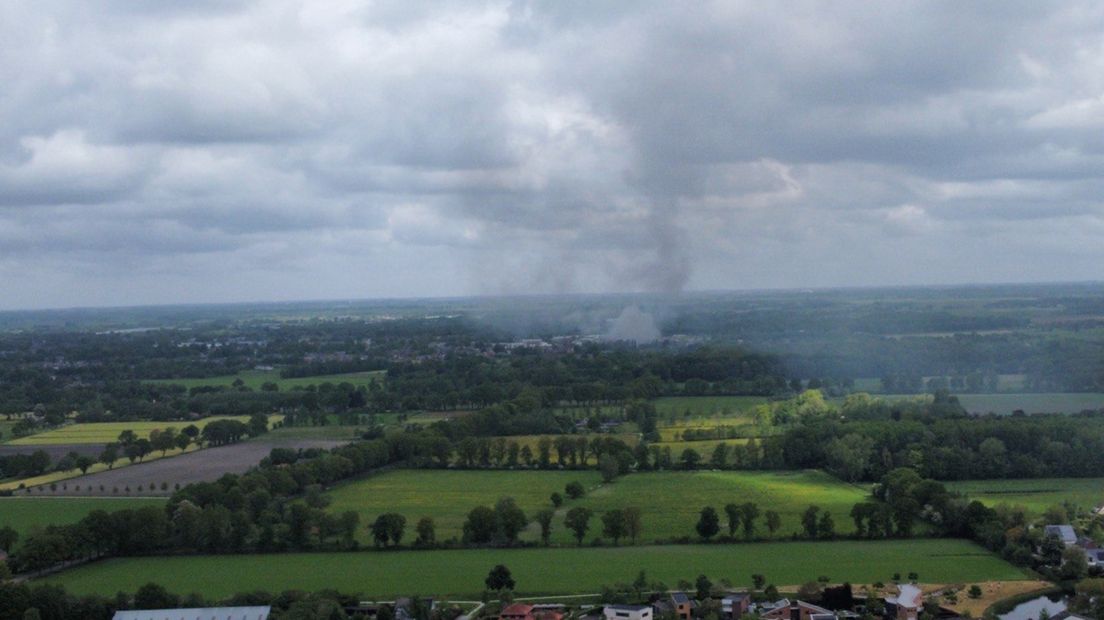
1030, 610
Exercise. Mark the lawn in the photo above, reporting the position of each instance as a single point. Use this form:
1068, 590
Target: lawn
543, 571
254, 379
448, 496
1036, 495
672, 501
106, 432
24, 513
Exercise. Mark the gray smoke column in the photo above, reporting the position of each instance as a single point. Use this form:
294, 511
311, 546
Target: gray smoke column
633, 325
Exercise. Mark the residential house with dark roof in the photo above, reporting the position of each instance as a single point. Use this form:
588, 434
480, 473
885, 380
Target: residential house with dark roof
797, 610
1064, 533
735, 605
628, 612
524, 611
677, 604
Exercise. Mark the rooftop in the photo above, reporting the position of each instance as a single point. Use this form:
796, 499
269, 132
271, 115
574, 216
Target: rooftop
197, 613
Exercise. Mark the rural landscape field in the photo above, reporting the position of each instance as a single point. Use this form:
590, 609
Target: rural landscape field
546, 310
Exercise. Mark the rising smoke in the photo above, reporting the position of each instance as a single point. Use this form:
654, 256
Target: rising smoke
633, 325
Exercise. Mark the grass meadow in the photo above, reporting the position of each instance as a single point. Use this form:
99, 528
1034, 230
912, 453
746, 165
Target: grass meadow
704, 447
106, 432
1005, 404
448, 496
25, 513
670, 501
1035, 495
544, 571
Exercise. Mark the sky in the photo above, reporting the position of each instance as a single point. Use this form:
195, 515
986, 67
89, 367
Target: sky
226, 150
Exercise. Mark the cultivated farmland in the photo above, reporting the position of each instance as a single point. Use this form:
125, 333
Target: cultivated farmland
25, 513
106, 432
1035, 495
545, 571
196, 466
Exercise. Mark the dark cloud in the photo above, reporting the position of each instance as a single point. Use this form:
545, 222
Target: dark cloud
154, 152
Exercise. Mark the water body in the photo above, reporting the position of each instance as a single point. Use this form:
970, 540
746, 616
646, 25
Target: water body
1030, 610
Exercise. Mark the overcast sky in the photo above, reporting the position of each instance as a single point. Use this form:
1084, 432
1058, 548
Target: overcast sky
235, 151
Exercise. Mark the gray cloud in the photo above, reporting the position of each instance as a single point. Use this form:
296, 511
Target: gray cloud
279, 149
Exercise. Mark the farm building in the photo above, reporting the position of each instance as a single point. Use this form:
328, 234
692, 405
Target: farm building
197, 613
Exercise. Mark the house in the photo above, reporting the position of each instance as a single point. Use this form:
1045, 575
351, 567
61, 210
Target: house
907, 605
677, 604
734, 605
797, 610
1063, 533
523, 611
197, 613
628, 612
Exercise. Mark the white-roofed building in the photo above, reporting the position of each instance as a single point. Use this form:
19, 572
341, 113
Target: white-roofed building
197, 613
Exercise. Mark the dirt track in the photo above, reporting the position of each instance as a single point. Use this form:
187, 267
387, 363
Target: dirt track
200, 466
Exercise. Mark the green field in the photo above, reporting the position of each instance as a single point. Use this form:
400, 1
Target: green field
254, 379
106, 432
670, 501
6, 430
24, 513
1036, 495
706, 406
544, 571
703, 447
448, 496
1031, 403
